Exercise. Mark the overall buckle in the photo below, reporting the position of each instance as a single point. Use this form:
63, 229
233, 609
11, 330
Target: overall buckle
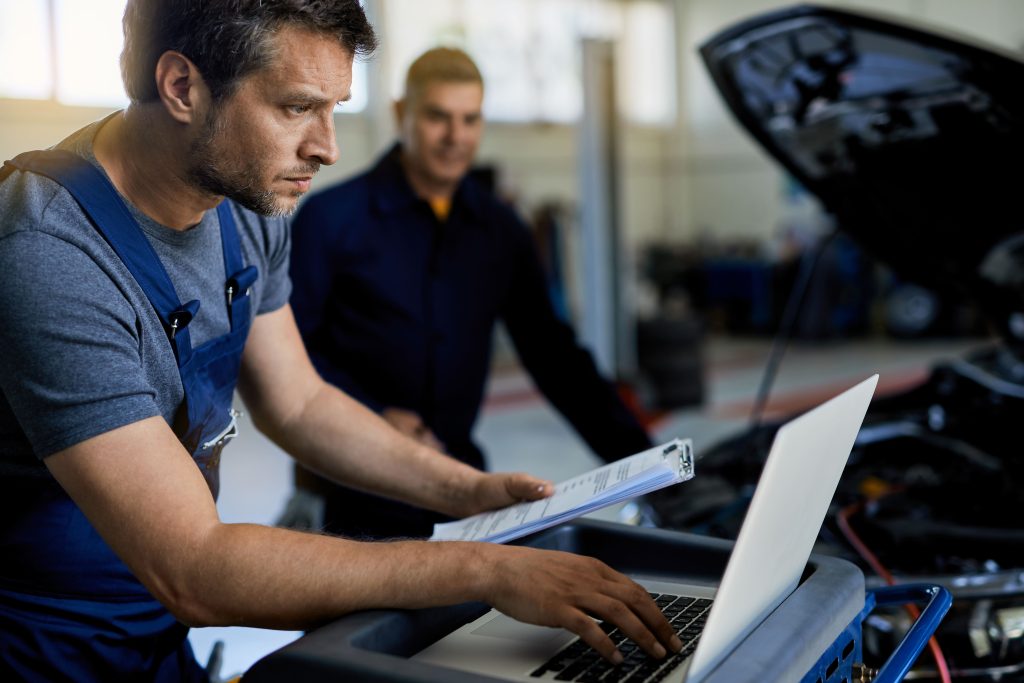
226, 434
178, 319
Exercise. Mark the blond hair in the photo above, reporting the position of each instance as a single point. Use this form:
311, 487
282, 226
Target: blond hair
441, 64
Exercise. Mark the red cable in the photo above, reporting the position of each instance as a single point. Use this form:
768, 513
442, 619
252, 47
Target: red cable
876, 565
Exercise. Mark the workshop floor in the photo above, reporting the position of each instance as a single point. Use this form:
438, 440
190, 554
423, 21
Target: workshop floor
519, 431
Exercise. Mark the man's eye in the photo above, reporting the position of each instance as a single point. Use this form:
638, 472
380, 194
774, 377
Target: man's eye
298, 108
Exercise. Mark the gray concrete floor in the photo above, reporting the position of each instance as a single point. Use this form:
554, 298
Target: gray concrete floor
520, 432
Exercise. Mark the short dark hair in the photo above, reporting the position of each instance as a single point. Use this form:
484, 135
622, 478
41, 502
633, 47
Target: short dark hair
227, 39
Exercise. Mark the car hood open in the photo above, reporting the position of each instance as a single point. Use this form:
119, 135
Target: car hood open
911, 138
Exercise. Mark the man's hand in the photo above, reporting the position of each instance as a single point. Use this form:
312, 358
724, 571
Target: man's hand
412, 425
551, 588
484, 491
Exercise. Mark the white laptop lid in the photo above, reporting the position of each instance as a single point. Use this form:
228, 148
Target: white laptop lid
792, 497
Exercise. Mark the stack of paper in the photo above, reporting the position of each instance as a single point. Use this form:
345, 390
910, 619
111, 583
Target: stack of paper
636, 475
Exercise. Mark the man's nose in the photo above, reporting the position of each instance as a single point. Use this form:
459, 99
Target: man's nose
451, 132
321, 144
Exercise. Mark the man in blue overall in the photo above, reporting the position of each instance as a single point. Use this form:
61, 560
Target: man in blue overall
133, 298
401, 275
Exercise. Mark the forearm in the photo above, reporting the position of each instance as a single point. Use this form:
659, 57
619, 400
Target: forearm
153, 508
339, 438
562, 369
334, 435
304, 580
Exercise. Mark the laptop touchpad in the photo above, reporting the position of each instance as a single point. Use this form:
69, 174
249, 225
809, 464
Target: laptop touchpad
527, 635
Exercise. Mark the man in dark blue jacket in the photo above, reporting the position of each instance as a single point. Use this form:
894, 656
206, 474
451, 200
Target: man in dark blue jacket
400, 276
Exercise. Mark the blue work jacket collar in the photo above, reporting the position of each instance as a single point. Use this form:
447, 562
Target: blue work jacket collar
393, 192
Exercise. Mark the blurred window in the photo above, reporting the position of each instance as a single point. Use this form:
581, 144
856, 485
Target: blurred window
69, 50
529, 52
88, 37
25, 50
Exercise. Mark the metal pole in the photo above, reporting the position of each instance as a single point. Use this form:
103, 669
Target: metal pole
600, 324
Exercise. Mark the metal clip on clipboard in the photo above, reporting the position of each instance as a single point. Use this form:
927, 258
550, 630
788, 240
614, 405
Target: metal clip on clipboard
685, 466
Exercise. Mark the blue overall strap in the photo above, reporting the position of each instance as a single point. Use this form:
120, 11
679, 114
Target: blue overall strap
240, 277
100, 201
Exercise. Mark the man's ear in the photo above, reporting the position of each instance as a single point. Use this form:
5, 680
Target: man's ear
398, 107
182, 88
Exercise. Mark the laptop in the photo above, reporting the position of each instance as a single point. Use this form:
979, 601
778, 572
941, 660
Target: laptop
796, 486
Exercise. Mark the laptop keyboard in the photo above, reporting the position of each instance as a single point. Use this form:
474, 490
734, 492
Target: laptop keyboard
578, 662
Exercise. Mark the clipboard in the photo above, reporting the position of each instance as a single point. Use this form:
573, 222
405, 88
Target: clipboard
636, 475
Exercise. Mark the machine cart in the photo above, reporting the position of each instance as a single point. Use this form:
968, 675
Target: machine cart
814, 636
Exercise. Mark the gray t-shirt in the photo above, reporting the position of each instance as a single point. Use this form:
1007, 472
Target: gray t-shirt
82, 351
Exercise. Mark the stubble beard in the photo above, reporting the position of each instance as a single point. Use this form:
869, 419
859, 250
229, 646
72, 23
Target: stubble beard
240, 181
